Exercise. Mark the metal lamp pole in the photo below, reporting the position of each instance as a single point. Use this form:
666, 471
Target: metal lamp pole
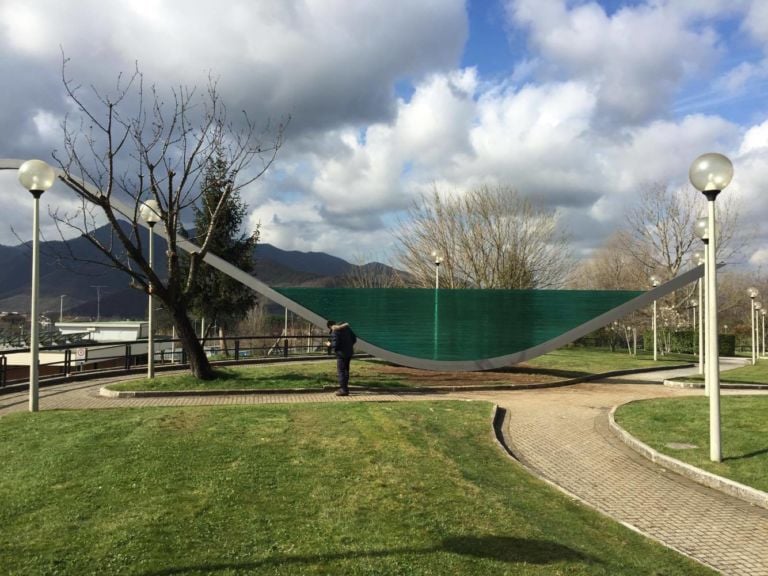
438, 259
36, 176
150, 212
762, 314
710, 174
758, 310
699, 257
701, 229
752, 293
693, 303
654, 283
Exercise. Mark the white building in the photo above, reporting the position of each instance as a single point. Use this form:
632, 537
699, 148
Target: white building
122, 331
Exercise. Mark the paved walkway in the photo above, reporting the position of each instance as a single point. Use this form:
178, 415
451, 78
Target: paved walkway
562, 435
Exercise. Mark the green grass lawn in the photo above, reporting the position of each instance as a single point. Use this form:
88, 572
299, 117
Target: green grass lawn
757, 374
744, 433
363, 488
313, 375
593, 361
564, 363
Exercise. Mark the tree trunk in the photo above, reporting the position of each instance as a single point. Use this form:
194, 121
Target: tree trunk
198, 361
223, 342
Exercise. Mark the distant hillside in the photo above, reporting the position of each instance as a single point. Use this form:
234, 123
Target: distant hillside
79, 281
318, 263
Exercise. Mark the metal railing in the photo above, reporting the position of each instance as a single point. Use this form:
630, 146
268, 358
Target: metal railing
66, 361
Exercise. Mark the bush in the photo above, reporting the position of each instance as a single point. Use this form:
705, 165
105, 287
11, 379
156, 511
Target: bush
727, 343
687, 342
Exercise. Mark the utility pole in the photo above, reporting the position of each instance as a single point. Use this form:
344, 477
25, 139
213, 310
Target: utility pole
98, 300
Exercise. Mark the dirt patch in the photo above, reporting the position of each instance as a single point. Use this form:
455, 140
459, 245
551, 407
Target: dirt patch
514, 375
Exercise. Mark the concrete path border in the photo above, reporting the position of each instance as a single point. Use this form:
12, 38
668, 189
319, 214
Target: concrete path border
730, 487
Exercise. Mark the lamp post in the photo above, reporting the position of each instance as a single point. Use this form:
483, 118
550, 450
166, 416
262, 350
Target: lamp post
654, 283
758, 311
701, 229
699, 258
98, 301
710, 174
752, 293
150, 212
693, 304
437, 258
36, 176
762, 314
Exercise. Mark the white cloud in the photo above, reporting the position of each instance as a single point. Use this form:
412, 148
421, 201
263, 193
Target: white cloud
635, 58
755, 140
299, 225
432, 126
756, 21
48, 126
759, 258
751, 172
581, 124
322, 61
538, 138
26, 27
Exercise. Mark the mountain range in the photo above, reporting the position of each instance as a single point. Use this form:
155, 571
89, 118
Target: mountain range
73, 277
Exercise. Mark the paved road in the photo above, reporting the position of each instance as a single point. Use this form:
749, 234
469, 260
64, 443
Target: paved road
658, 376
562, 435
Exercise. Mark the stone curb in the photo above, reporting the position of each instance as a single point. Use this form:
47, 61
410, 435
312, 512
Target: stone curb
498, 416
735, 489
105, 391
726, 385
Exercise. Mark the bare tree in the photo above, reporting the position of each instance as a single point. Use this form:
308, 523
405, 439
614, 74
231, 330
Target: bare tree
658, 238
734, 306
366, 273
134, 146
659, 232
490, 237
610, 267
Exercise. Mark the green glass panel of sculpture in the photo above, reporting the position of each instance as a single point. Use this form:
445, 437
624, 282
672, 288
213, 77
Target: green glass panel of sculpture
457, 324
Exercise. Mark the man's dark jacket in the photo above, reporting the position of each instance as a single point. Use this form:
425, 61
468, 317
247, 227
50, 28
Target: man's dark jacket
343, 341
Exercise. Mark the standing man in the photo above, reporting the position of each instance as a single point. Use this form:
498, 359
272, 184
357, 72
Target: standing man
342, 342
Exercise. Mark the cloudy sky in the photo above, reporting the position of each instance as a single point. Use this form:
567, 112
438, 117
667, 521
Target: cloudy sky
577, 104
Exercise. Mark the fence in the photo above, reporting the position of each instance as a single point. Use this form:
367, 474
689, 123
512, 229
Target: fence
66, 360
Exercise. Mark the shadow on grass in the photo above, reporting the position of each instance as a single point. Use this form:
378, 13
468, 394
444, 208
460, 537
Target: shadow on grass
536, 370
748, 455
500, 548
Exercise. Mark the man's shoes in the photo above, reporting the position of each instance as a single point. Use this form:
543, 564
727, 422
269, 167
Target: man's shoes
342, 393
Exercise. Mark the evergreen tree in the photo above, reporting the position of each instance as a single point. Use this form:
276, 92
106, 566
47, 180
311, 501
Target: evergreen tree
219, 299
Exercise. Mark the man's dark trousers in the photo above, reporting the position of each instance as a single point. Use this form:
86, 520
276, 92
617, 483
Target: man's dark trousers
342, 371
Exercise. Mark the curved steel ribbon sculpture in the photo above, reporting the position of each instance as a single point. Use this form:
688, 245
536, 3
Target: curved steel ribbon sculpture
457, 330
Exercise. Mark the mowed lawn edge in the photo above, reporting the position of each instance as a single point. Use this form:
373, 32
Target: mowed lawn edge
749, 374
316, 375
368, 488
679, 428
